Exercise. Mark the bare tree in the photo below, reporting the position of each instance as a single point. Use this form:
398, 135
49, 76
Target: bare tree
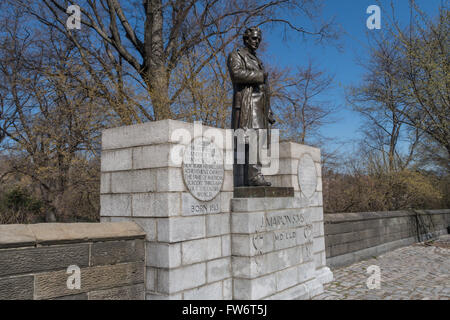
154, 37
405, 92
379, 99
53, 138
299, 103
425, 74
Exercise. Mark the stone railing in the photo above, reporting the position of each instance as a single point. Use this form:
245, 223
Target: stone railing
51, 261
351, 237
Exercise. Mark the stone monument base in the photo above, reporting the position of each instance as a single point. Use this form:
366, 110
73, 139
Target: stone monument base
206, 239
272, 248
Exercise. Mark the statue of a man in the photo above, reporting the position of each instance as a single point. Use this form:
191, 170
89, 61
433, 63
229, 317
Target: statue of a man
251, 107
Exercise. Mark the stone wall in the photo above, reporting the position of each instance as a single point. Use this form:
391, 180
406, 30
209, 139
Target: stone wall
351, 237
36, 260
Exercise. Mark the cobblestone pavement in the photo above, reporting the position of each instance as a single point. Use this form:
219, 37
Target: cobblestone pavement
417, 272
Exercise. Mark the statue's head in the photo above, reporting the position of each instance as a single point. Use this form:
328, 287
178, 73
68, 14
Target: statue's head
252, 38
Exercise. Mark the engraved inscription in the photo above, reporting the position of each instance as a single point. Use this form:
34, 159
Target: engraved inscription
308, 232
307, 175
282, 230
258, 242
203, 170
203, 208
192, 206
279, 221
307, 251
280, 236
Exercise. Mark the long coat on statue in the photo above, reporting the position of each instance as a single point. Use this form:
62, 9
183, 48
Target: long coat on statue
251, 108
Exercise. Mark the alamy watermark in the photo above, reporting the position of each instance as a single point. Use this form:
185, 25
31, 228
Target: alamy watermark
74, 280
374, 20
374, 280
74, 20
225, 139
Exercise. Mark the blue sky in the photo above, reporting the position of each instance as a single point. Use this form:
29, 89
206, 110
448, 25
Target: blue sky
352, 16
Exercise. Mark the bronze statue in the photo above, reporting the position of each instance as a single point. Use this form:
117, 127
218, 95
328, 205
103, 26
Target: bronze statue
251, 106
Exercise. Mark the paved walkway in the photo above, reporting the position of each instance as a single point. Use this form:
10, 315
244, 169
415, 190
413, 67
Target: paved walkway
419, 272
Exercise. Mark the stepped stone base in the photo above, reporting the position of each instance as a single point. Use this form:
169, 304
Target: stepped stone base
243, 243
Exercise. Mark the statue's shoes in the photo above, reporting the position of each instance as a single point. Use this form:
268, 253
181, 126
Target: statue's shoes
259, 181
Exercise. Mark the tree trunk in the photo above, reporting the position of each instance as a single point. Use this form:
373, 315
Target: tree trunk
154, 71
159, 93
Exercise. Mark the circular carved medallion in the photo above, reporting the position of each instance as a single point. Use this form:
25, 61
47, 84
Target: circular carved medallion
307, 175
203, 170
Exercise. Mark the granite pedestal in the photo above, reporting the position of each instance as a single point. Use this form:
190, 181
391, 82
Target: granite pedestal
206, 239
